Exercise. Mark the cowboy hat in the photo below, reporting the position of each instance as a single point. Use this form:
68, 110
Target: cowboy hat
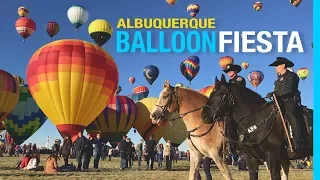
282, 60
232, 67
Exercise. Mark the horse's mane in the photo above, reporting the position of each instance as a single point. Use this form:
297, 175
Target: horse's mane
191, 91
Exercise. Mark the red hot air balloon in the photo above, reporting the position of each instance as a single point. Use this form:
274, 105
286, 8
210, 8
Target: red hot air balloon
255, 78
25, 27
52, 28
132, 80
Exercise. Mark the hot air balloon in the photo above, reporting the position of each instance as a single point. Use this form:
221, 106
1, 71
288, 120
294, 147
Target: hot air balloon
176, 131
255, 78
143, 123
9, 94
115, 120
100, 31
257, 6
132, 80
141, 90
52, 28
303, 73
193, 9
25, 27
7, 138
151, 73
118, 90
245, 65
171, 2
25, 119
207, 90
78, 15
19, 80
296, 3
78, 78
225, 60
190, 68
23, 12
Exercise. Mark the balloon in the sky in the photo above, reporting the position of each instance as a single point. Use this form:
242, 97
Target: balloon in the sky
100, 31
137, 97
175, 132
139, 93
245, 65
171, 2
52, 28
190, 67
296, 3
78, 78
78, 15
257, 6
225, 60
151, 73
9, 94
303, 73
118, 90
143, 123
25, 27
25, 119
115, 120
23, 12
132, 80
193, 9
207, 90
19, 80
255, 78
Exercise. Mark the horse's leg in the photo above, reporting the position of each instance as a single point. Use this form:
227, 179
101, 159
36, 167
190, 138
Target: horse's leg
274, 164
285, 169
195, 161
253, 166
222, 165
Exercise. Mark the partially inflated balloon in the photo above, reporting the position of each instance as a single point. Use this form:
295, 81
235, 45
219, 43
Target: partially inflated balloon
100, 31
176, 132
257, 6
25, 119
78, 15
207, 90
225, 60
23, 12
151, 73
143, 123
255, 78
115, 120
52, 28
193, 9
19, 80
190, 67
25, 27
132, 80
303, 73
72, 81
9, 94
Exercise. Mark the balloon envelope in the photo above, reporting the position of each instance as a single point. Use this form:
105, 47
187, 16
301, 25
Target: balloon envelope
207, 90
151, 73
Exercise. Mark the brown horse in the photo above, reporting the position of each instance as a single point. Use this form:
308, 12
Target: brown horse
203, 139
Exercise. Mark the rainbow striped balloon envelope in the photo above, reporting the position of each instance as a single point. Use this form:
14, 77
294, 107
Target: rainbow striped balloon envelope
190, 67
207, 90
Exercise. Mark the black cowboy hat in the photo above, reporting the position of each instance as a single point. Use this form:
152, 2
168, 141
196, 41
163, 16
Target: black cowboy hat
282, 60
232, 67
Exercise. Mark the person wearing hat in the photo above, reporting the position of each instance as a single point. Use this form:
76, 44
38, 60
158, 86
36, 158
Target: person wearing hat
288, 95
123, 148
232, 70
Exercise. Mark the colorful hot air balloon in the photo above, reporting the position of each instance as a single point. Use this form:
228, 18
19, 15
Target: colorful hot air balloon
19, 80
9, 94
78, 78
23, 12
52, 28
25, 27
100, 31
171, 2
190, 67
207, 90
296, 3
225, 60
303, 73
255, 78
78, 15
193, 9
257, 6
25, 119
143, 123
141, 90
245, 65
115, 120
151, 73
132, 80
118, 90
7, 138
175, 132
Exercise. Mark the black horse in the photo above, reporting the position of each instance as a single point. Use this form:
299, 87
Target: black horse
260, 128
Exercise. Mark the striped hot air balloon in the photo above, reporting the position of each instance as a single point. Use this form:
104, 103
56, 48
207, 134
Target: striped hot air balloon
190, 68
7, 138
255, 78
115, 120
257, 6
193, 9
141, 90
25, 27
207, 90
225, 60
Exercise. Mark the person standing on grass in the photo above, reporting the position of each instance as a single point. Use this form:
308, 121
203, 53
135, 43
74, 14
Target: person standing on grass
129, 158
139, 151
67, 144
160, 155
168, 154
97, 149
123, 149
151, 145
80, 144
88, 152
206, 162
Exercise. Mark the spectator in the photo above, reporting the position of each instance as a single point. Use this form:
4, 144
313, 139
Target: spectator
160, 154
151, 145
97, 149
80, 144
139, 151
88, 152
123, 148
67, 144
168, 154
51, 164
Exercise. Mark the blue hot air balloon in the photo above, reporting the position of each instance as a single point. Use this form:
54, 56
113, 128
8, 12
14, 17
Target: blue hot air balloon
193, 9
190, 67
151, 73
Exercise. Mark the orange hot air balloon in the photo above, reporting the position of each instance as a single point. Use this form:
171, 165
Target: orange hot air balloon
245, 65
9, 94
257, 6
171, 2
23, 12
207, 90
72, 81
25, 27
225, 60
143, 123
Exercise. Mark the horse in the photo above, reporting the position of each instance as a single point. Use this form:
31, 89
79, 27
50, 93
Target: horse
204, 140
260, 128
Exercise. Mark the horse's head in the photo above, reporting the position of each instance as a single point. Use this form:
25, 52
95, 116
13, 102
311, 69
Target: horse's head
167, 104
219, 102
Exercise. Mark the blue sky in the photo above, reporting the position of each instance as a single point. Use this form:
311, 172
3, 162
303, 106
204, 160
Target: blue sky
230, 16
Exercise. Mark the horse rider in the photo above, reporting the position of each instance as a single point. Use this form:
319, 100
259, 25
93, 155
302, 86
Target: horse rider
288, 95
232, 70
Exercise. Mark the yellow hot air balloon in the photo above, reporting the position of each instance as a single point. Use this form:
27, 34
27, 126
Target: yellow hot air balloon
175, 131
245, 65
171, 2
207, 90
23, 12
9, 94
303, 73
143, 123
100, 31
72, 81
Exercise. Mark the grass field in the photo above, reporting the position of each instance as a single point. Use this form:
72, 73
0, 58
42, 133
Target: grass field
110, 170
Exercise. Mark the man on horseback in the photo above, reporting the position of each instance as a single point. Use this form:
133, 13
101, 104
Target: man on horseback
232, 71
288, 95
